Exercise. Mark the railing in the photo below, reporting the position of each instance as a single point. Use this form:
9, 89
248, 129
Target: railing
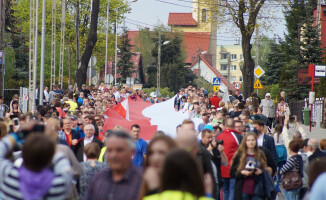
318, 106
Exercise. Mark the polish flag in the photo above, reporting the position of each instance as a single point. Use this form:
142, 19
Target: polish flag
123, 109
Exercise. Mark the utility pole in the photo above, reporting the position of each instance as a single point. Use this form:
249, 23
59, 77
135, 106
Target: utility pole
32, 86
41, 91
116, 49
35, 52
69, 60
106, 43
158, 66
199, 60
62, 43
53, 42
257, 49
318, 16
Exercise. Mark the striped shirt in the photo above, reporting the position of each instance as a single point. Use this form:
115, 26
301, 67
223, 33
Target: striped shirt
294, 163
9, 175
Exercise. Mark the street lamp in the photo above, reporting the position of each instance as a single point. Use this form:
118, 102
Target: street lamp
158, 86
116, 42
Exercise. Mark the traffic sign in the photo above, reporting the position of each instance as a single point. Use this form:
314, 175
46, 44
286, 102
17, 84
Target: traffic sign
237, 85
258, 85
216, 81
216, 88
258, 71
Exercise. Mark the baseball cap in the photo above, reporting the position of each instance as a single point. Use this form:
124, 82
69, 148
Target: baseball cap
84, 85
209, 127
268, 94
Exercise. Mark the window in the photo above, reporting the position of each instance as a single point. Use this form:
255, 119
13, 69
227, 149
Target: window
233, 56
224, 67
203, 15
241, 56
233, 79
224, 56
233, 67
240, 78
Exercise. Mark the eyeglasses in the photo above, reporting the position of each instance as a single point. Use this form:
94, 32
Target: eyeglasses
78, 124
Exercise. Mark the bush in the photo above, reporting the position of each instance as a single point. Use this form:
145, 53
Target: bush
164, 91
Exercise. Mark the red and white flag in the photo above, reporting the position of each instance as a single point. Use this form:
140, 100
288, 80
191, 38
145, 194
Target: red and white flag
123, 109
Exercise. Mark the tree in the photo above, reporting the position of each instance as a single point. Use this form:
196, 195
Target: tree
244, 15
173, 72
301, 46
125, 67
81, 73
273, 64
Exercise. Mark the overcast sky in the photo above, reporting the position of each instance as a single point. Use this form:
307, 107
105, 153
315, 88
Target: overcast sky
148, 13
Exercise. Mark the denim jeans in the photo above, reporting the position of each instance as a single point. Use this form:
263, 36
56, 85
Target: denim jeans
250, 197
292, 194
228, 188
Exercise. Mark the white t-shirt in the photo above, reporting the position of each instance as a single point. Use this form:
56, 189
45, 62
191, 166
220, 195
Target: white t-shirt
86, 142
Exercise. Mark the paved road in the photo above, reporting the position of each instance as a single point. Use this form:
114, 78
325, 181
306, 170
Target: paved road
317, 133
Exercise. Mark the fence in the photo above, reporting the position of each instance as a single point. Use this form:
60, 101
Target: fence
296, 109
317, 110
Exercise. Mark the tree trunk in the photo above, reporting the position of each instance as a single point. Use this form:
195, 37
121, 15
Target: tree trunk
81, 73
77, 34
248, 67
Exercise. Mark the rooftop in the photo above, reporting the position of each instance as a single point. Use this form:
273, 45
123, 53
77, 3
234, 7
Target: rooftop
182, 19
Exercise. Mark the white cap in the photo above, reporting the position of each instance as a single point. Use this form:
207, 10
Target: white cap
268, 94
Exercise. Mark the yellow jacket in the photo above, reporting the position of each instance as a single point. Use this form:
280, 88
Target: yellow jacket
174, 195
103, 150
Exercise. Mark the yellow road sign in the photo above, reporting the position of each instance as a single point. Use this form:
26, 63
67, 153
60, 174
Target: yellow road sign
216, 88
258, 85
258, 71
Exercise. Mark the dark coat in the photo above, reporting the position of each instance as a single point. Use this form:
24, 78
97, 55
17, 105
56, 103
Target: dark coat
78, 149
269, 144
269, 159
316, 154
240, 178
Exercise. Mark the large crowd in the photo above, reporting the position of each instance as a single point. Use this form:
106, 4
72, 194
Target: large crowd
240, 149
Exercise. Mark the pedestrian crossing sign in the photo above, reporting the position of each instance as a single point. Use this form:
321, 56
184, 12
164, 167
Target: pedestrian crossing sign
216, 88
216, 81
258, 85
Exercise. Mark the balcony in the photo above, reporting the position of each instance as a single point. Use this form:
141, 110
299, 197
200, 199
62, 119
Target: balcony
224, 61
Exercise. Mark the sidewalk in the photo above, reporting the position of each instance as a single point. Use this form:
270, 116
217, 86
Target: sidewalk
318, 133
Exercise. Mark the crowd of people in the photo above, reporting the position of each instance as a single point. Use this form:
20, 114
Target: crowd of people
241, 149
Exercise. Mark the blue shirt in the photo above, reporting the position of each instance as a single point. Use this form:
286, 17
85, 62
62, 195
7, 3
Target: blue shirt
141, 148
318, 191
81, 101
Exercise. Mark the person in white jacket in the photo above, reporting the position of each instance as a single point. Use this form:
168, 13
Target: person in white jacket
287, 138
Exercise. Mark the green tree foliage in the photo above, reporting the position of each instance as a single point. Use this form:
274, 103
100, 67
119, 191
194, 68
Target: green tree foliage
125, 66
273, 64
17, 27
174, 75
165, 92
301, 46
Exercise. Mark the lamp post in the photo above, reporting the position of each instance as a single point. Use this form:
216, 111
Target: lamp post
116, 42
158, 81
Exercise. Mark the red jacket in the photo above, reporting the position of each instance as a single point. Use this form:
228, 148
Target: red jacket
215, 101
231, 144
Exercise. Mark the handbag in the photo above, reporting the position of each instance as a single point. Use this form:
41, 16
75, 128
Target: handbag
292, 180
